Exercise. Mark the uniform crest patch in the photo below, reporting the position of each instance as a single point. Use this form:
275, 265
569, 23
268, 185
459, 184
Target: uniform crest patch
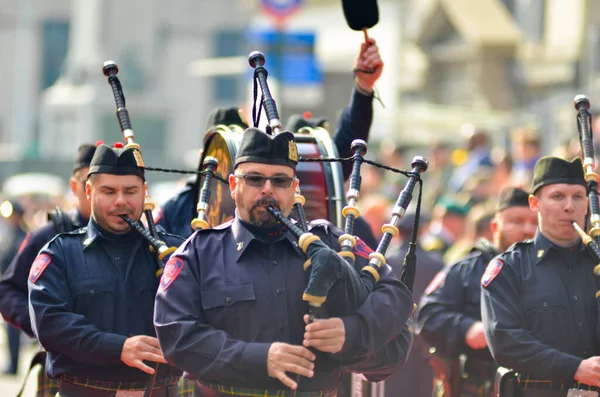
157, 214
491, 271
292, 151
435, 282
172, 269
362, 249
38, 266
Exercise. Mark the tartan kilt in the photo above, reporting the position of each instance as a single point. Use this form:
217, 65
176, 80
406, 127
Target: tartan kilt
185, 387
46, 387
49, 387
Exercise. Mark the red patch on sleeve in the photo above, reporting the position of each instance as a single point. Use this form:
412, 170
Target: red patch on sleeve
157, 214
38, 266
435, 282
172, 269
362, 249
491, 271
24, 243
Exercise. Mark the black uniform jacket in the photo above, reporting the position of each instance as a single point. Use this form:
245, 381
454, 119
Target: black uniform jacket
89, 292
539, 308
228, 296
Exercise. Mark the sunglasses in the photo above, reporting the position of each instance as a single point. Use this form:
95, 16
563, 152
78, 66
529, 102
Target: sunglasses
278, 181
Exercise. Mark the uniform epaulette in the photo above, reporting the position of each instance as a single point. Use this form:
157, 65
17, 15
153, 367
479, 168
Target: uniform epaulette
222, 226
467, 259
319, 222
519, 243
322, 223
73, 233
76, 232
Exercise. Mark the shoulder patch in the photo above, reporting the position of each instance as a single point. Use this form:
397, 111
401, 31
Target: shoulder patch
434, 284
172, 269
38, 266
157, 214
362, 249
491, 271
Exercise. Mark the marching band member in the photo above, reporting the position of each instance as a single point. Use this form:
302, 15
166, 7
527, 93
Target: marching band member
91, 292
539, 308
450, 311
229, 311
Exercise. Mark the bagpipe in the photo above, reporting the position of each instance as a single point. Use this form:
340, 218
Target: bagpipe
327, 268
333, 277
110, 70
586, 140
162, 251
321, 180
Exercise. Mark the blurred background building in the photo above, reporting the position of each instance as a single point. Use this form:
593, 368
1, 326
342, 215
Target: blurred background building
491, 63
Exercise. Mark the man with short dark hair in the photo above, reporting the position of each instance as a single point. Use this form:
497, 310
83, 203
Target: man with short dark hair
450, 315
231, 313
539, 308
91, 292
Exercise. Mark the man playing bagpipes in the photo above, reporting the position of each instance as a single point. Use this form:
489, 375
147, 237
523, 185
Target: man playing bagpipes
539, 305
91, 292
450, 310
231, 314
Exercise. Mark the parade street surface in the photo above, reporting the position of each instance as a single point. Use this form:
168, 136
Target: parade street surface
10, 384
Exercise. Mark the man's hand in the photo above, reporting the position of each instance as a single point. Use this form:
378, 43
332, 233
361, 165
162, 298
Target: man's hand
368, 59
325, 335
588, 371
475, 337
141, 347
284, 358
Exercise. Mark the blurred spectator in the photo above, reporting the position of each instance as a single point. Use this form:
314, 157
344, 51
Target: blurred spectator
437, 175
526, 150
447, 224
502, 163
596, 129
13, 214
569, 149
416, 377
376, 210
478, 227
480, 185
478, 154
392, 155
371, 179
